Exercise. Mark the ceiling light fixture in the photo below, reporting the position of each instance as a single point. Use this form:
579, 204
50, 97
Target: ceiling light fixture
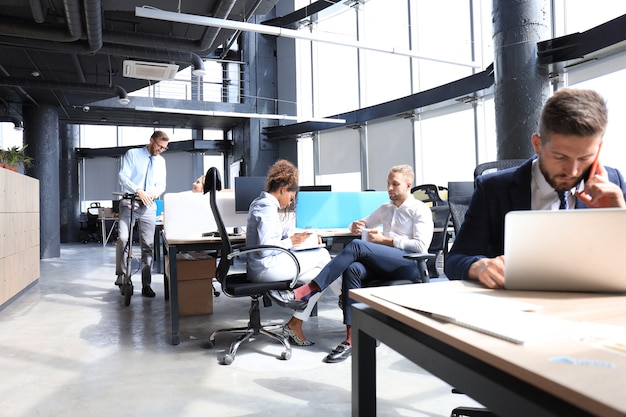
216, 113
151, 13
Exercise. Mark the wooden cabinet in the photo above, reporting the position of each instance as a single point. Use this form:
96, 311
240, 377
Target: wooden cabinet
19, 233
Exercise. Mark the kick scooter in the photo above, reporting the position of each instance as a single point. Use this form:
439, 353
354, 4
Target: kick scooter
126, 289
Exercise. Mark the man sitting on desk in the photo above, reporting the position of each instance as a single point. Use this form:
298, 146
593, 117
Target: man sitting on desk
407, 228
565, 174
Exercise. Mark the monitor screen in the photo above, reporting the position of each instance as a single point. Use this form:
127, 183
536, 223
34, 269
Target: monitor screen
315, 188
460, 191
246, 190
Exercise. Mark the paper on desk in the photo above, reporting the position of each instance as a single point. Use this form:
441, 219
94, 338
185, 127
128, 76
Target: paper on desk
311, 242
510, 320
604, 336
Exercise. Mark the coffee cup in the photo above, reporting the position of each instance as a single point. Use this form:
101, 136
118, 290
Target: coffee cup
365, 235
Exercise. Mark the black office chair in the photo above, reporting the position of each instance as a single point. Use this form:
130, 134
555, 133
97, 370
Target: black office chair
237, 284
429, 193
90, 227
493, 166
439, 243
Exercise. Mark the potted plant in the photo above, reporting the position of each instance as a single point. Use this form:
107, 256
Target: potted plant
15, 157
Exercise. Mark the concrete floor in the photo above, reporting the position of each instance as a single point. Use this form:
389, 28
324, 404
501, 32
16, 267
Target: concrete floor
70, 347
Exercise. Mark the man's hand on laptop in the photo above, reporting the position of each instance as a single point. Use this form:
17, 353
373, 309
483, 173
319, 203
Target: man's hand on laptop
489, 271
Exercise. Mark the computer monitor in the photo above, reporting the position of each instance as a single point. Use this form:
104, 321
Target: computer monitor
315, 188
246, 190
460, 191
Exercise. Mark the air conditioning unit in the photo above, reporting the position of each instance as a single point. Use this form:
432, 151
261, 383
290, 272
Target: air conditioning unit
149, 70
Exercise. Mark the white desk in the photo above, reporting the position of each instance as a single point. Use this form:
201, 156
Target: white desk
510, 379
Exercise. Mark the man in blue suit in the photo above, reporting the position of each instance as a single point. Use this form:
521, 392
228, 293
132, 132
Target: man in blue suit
573, 122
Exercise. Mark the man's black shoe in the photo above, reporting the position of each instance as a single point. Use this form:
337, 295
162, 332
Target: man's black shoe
119, 280
340, 353
147, 292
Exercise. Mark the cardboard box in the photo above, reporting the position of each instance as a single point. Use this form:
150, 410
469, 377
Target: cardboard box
195, 272
192, 265
195, 297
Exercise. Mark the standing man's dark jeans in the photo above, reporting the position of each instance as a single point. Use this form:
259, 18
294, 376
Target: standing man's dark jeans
362, 261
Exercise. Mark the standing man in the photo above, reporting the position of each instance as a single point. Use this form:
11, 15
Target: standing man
565, 174
143, 172
407, 228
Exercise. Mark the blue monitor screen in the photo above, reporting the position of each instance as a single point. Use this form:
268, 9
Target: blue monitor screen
321, 210
246, 190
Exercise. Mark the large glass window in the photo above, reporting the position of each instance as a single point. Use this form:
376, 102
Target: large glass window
448, 141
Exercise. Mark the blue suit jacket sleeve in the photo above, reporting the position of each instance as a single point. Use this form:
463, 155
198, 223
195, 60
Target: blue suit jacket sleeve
482, 232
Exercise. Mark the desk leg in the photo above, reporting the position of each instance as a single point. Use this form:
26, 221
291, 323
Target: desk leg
363, 369
104, 233
157, 262
174, 296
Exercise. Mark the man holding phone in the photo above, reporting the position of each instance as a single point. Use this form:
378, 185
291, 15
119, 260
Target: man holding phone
565, 173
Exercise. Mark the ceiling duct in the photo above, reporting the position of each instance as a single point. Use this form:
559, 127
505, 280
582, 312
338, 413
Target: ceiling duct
149, 70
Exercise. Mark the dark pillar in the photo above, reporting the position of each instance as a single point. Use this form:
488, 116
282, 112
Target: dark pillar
257, 152
68, 184
41, 134
521, 85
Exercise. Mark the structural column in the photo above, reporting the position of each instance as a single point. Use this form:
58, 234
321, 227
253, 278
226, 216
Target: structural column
521, 86
68, 183
41, 134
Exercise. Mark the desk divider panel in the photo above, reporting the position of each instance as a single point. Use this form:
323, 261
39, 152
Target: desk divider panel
323, 209
187, 215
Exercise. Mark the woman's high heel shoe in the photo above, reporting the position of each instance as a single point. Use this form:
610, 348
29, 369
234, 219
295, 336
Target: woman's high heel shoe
293, 337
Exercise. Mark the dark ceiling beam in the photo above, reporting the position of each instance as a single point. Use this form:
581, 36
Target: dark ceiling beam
458, 88
577, 45
193, 145
289, 20
150, 52
61, 85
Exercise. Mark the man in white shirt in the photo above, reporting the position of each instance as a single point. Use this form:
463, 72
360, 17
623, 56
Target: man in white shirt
143, 173
407, 228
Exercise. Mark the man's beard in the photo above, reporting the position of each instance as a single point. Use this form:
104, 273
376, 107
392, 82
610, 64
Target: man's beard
553, 180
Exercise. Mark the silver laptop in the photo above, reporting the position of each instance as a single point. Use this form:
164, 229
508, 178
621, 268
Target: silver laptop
566, 250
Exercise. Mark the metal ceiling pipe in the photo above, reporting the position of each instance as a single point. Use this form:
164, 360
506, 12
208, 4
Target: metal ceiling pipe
93, 22
201, 45
11, 27
210, 34
37, 11
75, 86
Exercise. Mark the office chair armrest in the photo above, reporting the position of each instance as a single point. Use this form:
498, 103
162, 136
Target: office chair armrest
422, 259
258, 248
420, 256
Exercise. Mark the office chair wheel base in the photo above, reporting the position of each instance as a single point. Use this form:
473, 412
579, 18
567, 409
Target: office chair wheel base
127, 290
227, 359
286, 355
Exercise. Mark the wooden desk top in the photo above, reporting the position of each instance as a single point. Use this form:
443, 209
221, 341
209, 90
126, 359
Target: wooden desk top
207, 240
595, 377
